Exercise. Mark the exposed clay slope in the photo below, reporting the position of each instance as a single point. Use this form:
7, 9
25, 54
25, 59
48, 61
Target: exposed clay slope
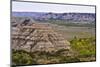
37, 37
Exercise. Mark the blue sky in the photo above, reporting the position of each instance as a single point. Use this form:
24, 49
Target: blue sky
56, 8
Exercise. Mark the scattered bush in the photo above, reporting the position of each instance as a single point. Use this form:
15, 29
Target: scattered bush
81, 48
21, 58
84, 46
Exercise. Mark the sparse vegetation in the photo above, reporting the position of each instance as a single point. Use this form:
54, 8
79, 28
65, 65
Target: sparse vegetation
21, 58
82, 49
71, 23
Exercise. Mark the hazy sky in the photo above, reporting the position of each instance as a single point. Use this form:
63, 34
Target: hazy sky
56, 8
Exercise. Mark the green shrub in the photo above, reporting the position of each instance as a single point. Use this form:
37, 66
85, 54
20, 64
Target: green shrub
84, 46
21, 58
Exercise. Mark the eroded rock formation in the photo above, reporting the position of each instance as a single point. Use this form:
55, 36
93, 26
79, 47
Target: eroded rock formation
37, 37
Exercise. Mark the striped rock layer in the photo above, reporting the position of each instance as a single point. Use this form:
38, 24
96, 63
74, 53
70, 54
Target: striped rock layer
37, 37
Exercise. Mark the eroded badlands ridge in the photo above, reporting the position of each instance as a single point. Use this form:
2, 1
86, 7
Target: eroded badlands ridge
37, 37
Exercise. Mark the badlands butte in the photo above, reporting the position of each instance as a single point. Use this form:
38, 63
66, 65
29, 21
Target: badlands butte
33, 36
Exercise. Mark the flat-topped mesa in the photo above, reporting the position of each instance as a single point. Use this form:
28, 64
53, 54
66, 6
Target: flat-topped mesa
38, 37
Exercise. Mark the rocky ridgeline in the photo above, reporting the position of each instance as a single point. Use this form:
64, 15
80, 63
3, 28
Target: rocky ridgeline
37, 37
43, 16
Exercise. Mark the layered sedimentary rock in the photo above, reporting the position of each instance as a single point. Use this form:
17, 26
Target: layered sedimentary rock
37, 37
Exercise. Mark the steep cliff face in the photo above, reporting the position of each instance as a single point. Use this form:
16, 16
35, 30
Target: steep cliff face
37, 37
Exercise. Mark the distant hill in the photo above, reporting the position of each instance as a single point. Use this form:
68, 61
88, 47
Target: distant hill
42, 16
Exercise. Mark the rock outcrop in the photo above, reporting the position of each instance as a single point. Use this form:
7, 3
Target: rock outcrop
37, 37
